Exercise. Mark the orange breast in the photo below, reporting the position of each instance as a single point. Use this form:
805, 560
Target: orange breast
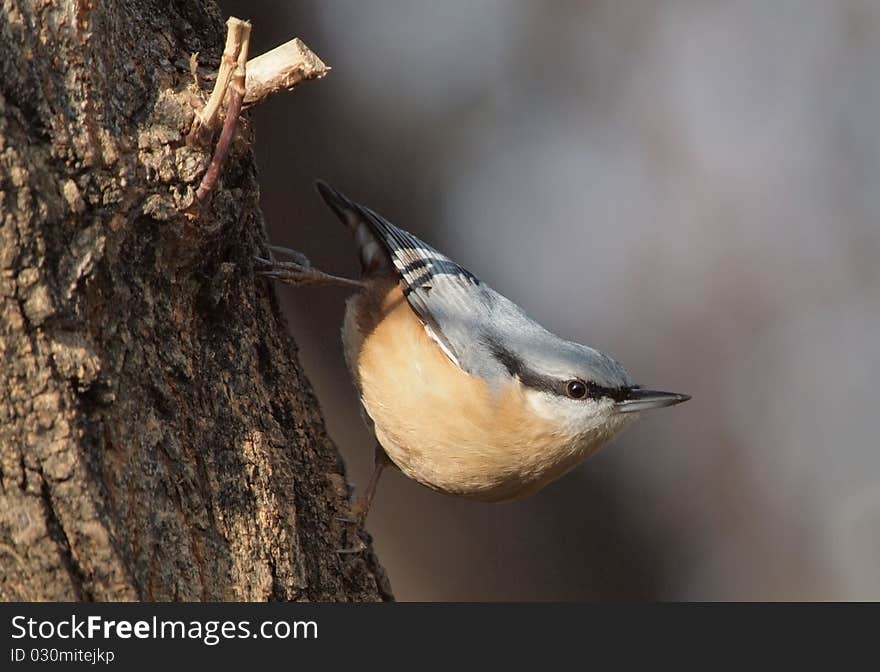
440, 425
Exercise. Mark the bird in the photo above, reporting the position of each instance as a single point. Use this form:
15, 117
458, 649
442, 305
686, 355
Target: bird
463, 392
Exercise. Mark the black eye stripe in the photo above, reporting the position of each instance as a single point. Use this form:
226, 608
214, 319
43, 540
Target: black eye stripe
595, 391
517, 367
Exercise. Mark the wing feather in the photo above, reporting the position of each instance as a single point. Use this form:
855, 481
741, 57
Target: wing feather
448, 299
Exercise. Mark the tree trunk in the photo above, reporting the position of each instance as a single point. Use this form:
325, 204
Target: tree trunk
158, 440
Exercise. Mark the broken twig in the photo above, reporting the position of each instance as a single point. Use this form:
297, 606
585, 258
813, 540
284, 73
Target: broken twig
237, 36
222, 148
283, 67
242, 82
236, 88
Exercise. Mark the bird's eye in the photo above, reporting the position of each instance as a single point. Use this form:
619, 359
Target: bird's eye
576, 389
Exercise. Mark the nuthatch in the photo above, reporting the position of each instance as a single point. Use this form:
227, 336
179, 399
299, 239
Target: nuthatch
464, 392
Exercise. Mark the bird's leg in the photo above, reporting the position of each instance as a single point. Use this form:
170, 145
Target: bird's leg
299, 271
295, 255
361, 507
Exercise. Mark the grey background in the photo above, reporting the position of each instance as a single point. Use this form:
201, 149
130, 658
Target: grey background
691, 187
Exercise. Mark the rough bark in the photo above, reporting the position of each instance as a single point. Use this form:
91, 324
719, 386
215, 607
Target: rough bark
158, 439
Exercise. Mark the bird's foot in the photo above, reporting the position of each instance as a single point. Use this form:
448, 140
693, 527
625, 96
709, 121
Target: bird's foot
358, 513
294, 255
359, 547
356, 519
299, 271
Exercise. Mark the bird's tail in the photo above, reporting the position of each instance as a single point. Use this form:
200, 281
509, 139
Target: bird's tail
372, 253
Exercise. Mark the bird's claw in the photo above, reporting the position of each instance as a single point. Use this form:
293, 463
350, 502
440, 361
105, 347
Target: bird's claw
300, 273
295, 255
356, 522
360, 547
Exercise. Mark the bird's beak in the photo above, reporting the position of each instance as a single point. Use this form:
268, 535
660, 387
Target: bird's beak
638, 399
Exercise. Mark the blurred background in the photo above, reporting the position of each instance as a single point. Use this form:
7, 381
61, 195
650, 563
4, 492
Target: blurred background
696, 188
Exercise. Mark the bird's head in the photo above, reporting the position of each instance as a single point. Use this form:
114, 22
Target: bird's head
583, 392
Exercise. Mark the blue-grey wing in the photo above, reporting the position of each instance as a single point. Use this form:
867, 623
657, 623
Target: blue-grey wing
452, 303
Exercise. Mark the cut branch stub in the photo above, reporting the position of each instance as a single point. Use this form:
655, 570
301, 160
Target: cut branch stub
283, 67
